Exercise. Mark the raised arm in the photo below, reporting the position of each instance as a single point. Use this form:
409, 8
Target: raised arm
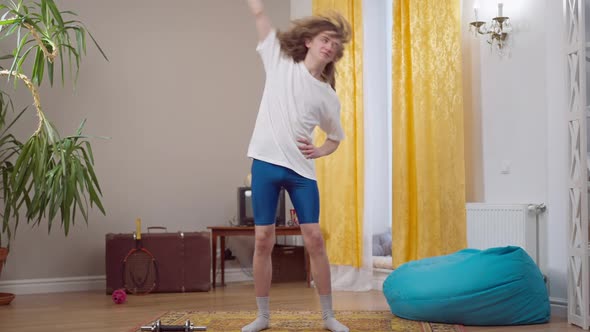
263, 24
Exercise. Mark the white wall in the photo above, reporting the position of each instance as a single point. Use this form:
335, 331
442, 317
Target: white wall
555, 235
514, 109
520, 102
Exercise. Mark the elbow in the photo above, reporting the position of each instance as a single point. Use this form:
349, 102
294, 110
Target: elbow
333, 145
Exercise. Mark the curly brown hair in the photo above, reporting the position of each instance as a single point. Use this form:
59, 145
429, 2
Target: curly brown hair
293, 40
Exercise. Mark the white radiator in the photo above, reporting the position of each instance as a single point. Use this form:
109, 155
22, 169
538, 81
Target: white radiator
498, 225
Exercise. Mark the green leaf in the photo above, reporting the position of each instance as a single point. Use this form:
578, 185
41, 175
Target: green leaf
38, 67
55, 11
50, 71
92, 174
69, 12
97, 45
80, 127
89, 157
61, 62
44, 13
80, 41
21, 158
22, 59
8, 22
94, 197
17, 51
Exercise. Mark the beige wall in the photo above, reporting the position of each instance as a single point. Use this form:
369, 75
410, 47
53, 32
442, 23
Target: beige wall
301, 8
178, 100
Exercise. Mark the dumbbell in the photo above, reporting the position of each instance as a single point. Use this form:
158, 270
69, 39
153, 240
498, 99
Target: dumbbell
187, 327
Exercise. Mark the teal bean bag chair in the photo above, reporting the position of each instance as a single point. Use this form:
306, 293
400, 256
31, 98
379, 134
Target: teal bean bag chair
497, 286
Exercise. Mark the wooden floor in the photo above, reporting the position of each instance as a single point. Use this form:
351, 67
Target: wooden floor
95, 312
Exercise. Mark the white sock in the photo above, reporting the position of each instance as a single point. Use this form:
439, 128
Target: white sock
262, 321
330, 323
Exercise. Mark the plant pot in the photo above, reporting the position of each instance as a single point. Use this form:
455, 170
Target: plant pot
5, 298
3, 255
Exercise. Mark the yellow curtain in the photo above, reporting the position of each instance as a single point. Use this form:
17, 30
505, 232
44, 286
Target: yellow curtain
340, 175
428, 152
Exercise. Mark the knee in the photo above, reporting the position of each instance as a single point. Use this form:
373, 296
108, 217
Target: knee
263, 245
315, 243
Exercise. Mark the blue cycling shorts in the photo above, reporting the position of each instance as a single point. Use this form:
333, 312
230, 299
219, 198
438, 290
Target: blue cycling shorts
267, 181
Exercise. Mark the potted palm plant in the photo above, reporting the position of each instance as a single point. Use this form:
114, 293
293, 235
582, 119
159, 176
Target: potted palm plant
47, 177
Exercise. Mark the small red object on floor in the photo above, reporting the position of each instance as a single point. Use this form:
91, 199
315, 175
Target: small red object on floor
119, 296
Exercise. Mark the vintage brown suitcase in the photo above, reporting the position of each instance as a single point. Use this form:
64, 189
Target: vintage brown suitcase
183, 260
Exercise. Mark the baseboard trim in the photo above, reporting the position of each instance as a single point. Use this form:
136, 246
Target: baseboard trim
558, 307
53, 285
87, 283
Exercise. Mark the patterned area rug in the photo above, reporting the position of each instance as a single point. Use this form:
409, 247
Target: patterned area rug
308, 321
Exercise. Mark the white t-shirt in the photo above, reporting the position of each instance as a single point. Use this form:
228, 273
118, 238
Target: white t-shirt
293, 104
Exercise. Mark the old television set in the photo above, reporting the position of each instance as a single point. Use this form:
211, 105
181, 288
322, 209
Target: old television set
245, 211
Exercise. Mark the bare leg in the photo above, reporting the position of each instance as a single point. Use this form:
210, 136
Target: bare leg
262, 264
320, 268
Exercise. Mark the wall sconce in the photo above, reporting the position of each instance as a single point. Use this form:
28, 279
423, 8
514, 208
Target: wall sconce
497, 30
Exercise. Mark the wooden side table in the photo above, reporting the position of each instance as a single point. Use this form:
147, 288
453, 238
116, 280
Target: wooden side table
222, 232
